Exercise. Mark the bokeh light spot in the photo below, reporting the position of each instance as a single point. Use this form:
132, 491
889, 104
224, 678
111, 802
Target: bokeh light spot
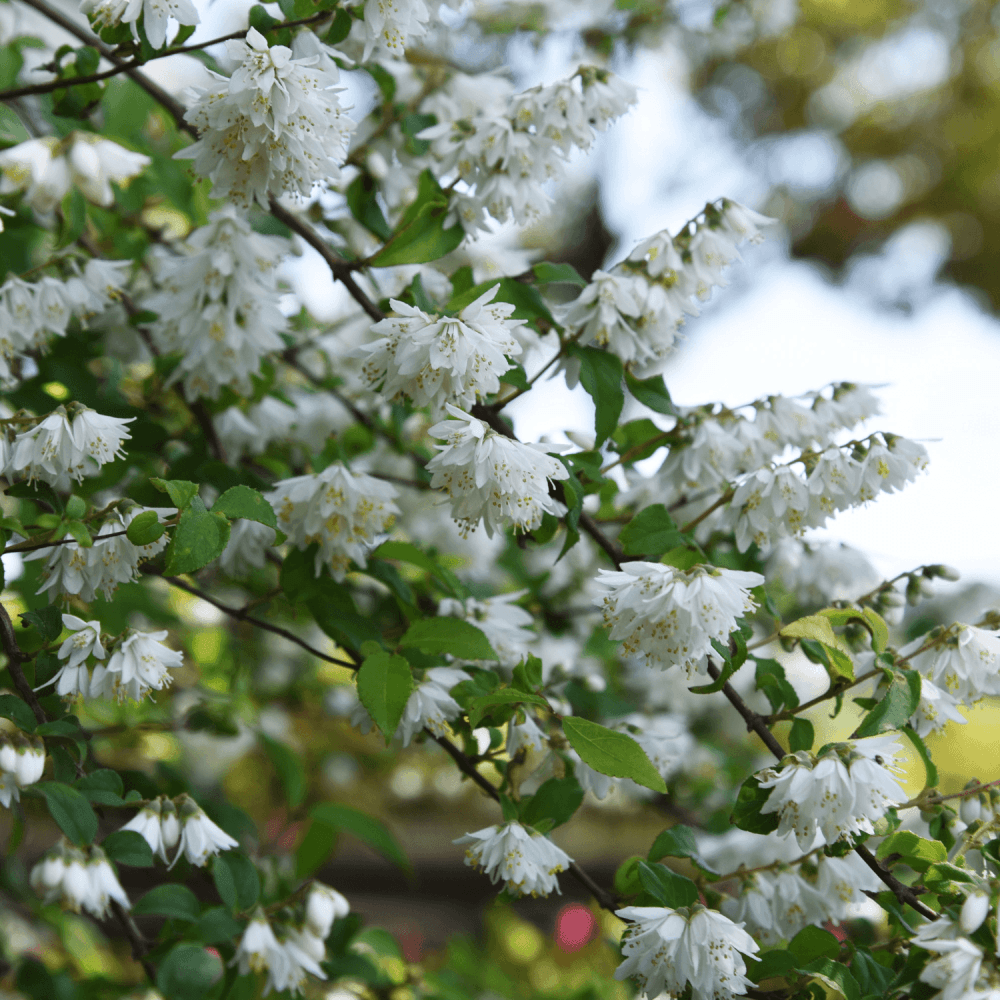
575, 927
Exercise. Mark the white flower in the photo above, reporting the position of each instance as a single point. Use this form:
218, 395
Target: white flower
170, 826
672, 615
45, 169
666, 949
526, 861
664, 737
490, 477
525, 735
247, 548
323, 906
849, 405
821, 573
502, 622
342, 511
290, 962
155, 15
767, 505
743, 223
275, 127
443, 359
218, 303
975, 910
147, 823
200, 837
966, 664
257, 946
77, 881
957, 968
138, 665
936, 709
838, 794
889, 467
30, 761
85, 642
106, 888
430, 705
99, 436
390, 23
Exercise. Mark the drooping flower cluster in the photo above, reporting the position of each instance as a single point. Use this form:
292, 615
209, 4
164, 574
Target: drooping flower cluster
296, 950
964, 664
506, 625
78, 880
22, 761
776, 502
46, 169
390, 23
168, 823
505, 159
443, 359
840, 793
101, 567
62, 447
666, 949
274, 127
155, 15
635, 309
961, 969
218, 304
341, 511
139, 663
817, 574
33, 312
671, 615
490, 477
524, 859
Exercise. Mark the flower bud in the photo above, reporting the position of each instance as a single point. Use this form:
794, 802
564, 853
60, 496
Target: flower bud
974, 911
323, 906
170, 827
926, 587
30, 762
914, 592
8, 754
971, 810
945, 572
891, 599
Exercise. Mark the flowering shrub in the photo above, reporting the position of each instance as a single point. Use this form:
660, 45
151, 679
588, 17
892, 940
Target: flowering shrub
193, 462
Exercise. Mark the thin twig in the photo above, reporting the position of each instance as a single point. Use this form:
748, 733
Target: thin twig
15, 657
25, 547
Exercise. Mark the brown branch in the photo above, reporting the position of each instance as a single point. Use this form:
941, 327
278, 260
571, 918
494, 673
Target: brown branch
15, 657
139, 944
25, 547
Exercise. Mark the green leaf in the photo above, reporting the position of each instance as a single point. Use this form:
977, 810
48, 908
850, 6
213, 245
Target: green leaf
169, 900
144, 528
872, 620
385, 683
366, 828
38, 492
771, 679
180, 491
448, 635
245, 877
290, 770
556, 799
925, 755
126, 847
528, 674
11, 707
222, 876
813, 942
612, 753
365, 208
914, 851
409, 553
666, 886
816, 627
421, 236
802, 735
199, 539
650, 533
601, 376
315, 849
527, 302
103, 787
839, 666
747, 813
502, 696
241, 501
872, 976
72, 812
337, 615
651, 392
216, 926
47, 620
188, 972
547, 274
835, 975
675, 842
896, 706
340, 28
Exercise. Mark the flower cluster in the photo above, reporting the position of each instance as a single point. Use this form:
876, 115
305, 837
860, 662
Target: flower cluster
155, 16
960, 969
78, 880
61, 447
507, 626
218, 304
46, 169
964, 663
443, 359
635, 309
33, 312
817, 574
775, 502
490, 477
168, 823
342, 511
296, 950
22, 761
842, 792
666, 949
505, 159
671, 615
526, 861
274, 127
101, 567
390, 23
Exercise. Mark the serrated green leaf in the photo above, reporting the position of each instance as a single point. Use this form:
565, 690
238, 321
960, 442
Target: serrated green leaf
180, 491
651, 392
914, 851
501, 697
666, 886
199, 539
144, 528
771, 679
802, 735
813, 942
126, 847
421, 236
601, 376
835, 975
47, 620
242, 501
546, 273
650, 533
385, 683
73, 814
895, 707
816, 627
448, 635
612, 753
556, 799
747, 813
